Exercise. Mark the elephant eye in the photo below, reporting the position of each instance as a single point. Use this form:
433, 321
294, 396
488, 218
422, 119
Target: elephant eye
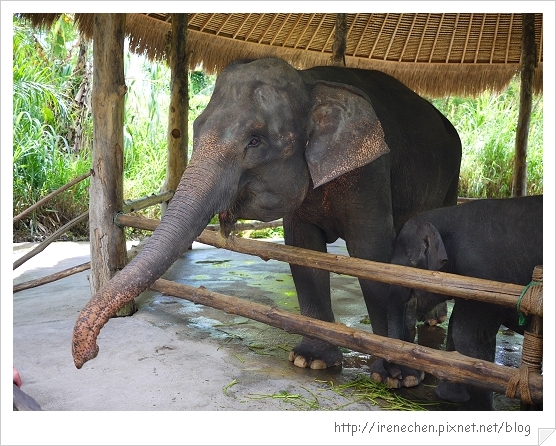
254, 142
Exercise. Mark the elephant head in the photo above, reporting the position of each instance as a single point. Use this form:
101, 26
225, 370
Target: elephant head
418, 245
264, 137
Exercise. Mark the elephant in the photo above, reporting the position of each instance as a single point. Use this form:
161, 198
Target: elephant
494, 239
336, 152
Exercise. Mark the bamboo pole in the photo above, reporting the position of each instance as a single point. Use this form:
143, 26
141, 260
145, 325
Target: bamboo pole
445, 365
47, 241
454, 285
51, 195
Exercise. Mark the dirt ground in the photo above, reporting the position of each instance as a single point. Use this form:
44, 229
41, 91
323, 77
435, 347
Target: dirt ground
173, 355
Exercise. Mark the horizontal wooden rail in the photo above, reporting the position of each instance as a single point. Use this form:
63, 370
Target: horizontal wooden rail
250, 226
52, 277
145, 202
445, 365
50, 196
47, 241
504, 294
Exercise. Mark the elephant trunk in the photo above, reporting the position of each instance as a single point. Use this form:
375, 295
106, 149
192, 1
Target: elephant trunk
199, 196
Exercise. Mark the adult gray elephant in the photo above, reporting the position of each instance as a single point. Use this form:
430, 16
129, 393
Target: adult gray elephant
336, 152
494, 239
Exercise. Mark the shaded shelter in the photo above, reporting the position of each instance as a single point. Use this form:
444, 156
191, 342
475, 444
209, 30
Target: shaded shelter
434, 54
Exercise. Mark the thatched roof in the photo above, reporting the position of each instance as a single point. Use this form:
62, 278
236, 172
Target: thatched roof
435, 54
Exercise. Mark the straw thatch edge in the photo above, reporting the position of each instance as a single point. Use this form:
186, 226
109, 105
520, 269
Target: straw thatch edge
212, 53
429, 79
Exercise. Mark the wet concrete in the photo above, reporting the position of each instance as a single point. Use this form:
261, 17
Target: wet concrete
175, 355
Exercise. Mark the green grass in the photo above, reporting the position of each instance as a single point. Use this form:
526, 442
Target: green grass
43, 160
363, 388
487, 128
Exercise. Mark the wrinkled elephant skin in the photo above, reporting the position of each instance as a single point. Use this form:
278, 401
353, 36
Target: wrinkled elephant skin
337, 152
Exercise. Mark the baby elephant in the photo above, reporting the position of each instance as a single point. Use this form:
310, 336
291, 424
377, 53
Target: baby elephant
494, 239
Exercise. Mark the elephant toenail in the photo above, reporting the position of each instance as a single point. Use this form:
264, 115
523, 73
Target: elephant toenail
318, 364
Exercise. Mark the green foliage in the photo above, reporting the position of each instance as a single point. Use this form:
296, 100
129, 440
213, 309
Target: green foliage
267, 233
42, 114
47, 77
145, 127
487, 128
146, 124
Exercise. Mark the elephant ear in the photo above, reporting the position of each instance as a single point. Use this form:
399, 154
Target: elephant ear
433, 247
344, 132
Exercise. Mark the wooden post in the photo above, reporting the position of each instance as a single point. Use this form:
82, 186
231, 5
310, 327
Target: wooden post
179, 106
108, 249
339, 44
528, 62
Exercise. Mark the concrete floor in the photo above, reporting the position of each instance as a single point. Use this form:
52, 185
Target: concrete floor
173, 355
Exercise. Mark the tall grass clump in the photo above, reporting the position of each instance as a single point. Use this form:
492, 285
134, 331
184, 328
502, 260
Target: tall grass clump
487, 127
44, 84
145, 128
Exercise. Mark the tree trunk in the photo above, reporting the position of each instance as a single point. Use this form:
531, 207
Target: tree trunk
179, 106
108, 249
339, 44
528, 61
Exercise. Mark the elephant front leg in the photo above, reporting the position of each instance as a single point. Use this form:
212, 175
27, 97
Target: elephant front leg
389, 321
313, 293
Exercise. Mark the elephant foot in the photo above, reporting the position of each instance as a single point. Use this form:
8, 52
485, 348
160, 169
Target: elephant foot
469, 397
437, 315
395, 376
315, 354
453, 392
433, 321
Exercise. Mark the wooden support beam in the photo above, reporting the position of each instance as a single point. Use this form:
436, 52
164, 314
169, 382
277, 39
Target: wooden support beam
446, 365
52, 277
50, 196
239, 227
108, 249
504, 294
51, 238
145, 202
339, 44
528, 63
179, 105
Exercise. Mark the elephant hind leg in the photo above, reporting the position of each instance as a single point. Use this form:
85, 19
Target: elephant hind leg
451, 197
471, 332
394, 375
